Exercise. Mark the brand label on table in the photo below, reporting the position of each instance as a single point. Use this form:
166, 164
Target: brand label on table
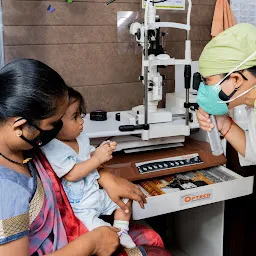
191, 198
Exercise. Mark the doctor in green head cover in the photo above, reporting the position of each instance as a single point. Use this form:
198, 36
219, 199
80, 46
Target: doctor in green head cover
228, 69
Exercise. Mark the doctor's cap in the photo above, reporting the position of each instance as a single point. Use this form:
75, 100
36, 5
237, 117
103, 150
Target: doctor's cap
227, 50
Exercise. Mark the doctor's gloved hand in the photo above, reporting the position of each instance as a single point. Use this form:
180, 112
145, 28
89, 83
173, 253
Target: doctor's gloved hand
223, 121
103, 153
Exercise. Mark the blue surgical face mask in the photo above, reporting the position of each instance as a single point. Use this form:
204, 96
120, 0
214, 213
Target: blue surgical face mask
208, 99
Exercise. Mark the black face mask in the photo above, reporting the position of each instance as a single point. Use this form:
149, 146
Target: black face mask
45, 136
223, 96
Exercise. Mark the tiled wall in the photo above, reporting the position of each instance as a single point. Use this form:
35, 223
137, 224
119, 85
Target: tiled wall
79, 40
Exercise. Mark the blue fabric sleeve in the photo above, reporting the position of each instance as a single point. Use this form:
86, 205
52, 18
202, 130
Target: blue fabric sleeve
85, 143
14, 211
92, 148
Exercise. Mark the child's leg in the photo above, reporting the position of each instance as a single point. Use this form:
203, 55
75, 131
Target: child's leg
122, 222
121, 215
90, 219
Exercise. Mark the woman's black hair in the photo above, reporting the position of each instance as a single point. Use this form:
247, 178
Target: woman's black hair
252, 70
29, 89
77, 96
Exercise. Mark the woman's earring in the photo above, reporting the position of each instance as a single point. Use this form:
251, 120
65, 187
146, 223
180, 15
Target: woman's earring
19, 133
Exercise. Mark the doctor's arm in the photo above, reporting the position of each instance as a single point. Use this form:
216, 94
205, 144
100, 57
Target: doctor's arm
232, 132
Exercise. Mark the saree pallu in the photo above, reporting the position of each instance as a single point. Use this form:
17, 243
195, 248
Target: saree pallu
47, 233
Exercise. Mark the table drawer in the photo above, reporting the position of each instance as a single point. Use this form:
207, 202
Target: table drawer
194, 197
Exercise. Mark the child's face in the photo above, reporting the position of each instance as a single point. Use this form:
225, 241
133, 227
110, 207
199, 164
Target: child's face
72, 122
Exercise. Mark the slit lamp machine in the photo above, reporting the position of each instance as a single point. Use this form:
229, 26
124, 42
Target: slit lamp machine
147, 126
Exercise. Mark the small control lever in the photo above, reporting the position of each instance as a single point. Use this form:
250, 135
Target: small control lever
129, 128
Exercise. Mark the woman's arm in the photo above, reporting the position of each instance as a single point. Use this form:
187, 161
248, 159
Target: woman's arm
101, 241
18, 247
83, 246
118, 188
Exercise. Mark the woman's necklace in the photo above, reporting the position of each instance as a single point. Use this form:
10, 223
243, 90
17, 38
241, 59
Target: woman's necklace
14, 162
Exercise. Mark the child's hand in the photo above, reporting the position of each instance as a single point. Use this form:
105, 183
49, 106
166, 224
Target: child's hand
103, 153
113, 145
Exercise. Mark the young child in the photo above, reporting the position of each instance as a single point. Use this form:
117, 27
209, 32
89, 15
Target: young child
76, 161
